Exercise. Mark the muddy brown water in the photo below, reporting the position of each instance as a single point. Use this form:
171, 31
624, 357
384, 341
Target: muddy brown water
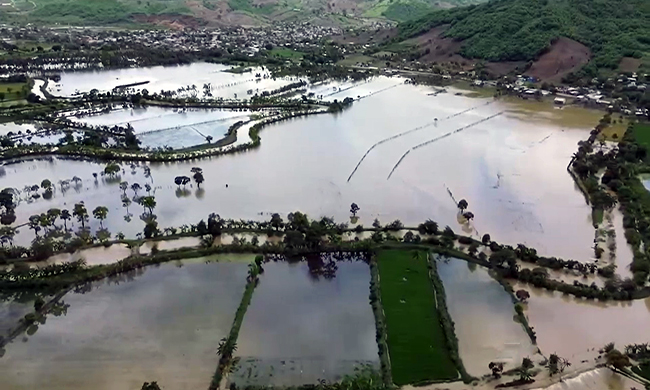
301, 328
510, 169
576, 328
483, 314
163, 323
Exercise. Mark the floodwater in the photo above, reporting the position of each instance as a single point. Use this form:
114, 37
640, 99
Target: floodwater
483, 314
159, 126
163, 324
12, 309
301, 328
172, 78
511, 169
598, 379
576, 329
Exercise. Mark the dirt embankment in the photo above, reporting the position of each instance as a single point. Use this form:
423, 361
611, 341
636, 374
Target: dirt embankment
171, 21
564, 56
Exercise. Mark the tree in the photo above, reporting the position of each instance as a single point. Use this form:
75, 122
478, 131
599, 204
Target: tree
111, 169
468, 215
136, 187
617, 360
53, 214
462, 205
151, 229
428, 227
46, 184
149, 202
522, 295
124, 186
198, 178
496, 368
524, 371
65, 216
196, 170
100, 213
33, 223
80, 212
354, 209
147, 188
557, 364
150, 386
376, 224
276, 221
486, 239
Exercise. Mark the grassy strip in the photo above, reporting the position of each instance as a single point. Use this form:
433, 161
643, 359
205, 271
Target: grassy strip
416, 341
231, 341
643, 370
380, 323
445, 319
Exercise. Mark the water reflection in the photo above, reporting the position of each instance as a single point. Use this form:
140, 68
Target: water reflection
577, 328
496, 164
165, 326
300, 328
483, 315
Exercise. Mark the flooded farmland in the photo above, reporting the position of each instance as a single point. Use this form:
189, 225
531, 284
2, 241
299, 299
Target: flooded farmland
598, 379
577, 329
495, 167
163, 323
302, 327
474, 298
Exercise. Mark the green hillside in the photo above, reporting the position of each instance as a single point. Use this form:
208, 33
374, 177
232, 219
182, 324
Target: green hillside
520, 30
123, 12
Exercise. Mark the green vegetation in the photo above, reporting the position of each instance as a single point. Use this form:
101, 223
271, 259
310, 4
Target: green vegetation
13, 91
97, 11
228, 345
642, 370
641, 133
247, 6
416, 341
520, 30
285, 53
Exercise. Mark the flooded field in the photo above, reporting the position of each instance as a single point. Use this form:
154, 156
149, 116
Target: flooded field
12, 309
598, 379
162, 324
496, 168
474, 298
158, 126
301, 327
577, 329
185, 80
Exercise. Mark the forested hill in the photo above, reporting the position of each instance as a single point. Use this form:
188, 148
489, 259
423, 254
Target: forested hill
520, 30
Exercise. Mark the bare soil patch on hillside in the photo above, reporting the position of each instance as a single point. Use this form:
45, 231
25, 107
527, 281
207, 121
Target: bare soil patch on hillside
629, 64
438, 48
564, 56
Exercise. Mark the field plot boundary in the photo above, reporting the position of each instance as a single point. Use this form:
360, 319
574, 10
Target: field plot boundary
416, 341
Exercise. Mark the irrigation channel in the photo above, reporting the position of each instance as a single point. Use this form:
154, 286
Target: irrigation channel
412, 131
439, 138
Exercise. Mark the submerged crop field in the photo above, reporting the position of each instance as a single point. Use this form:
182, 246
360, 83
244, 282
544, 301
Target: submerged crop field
416, 341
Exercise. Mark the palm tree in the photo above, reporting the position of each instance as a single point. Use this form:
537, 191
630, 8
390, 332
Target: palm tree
81, 213
462, 205
198, 177
53, 214
65, 216
100, 213
124, 186
149, 202
135, 187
